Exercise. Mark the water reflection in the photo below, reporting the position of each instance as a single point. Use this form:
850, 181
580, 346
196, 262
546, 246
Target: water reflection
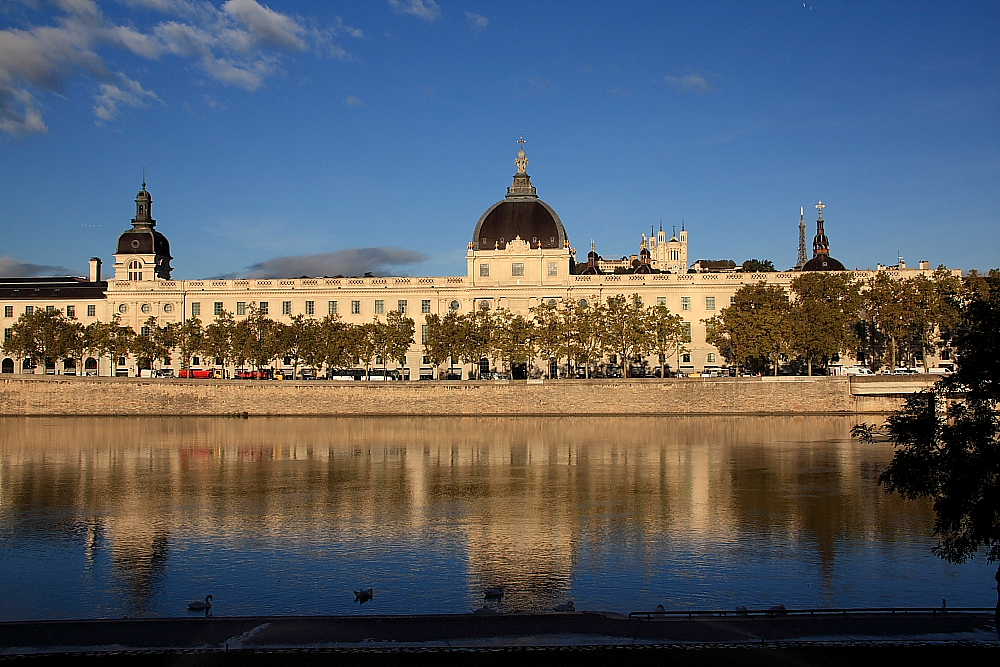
108, 517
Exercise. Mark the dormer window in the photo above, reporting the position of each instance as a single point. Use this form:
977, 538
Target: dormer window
135, 270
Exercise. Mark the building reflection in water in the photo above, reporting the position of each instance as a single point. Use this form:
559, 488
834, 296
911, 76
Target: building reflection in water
705, 507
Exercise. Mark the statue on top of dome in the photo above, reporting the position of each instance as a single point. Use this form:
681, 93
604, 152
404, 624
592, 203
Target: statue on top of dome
522, 160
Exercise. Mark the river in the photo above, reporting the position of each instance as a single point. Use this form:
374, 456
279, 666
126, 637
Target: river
113, 517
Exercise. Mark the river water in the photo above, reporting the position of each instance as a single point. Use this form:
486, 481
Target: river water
112, 517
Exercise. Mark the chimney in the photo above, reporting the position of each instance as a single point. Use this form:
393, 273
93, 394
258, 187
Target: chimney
925, 266
95, 269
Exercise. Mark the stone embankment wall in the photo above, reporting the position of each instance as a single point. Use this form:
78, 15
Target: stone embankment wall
53, 396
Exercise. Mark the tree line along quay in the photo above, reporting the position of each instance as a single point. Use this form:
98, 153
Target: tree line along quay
823, 318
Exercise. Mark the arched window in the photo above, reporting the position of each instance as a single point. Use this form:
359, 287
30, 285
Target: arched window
90, 364
135, 270
8, 366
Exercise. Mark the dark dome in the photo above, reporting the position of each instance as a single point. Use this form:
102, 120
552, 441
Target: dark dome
143, 243
534, 221
823, 263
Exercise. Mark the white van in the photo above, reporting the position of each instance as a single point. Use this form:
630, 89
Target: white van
857, 370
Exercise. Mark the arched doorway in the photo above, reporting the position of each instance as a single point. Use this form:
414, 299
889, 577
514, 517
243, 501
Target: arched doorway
519, 370
69, 366
484, 367
90, 366
50, 367
7, 366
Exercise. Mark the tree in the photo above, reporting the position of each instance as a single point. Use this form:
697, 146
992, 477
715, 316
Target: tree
549, 324
758, 266
754, 330
38, 336
825, 310
935, 311
625, 324
584, 332
953, 457
190, 340
393, 338
258, 338
891, 305
513, 339
149, 345
293, 337
335, 344
443, 341
667, 332
219, 338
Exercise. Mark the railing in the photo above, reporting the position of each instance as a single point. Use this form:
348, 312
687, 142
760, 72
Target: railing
264, 283
241, 283
781, 611
310, 281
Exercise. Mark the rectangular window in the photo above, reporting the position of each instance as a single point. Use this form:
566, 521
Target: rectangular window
425, 360
686, 358
91, 310
263, 307
8, 311
28, 310
553, 268
331, 307
685, 303
50, 309
241, 307
425, 306
732, 301
310, 307
709, 303
661, 301
355, 308
196, 361
687, 332
484, 270
195, 309
146, 332
711, 357
217, 308
286, 307
7, 333
70, 311
517, 269
401, 306
423, 333
379, 306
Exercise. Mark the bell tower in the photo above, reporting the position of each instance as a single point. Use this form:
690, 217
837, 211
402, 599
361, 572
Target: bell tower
143, 254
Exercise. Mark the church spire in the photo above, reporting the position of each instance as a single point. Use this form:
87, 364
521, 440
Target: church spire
802, 239
143, 220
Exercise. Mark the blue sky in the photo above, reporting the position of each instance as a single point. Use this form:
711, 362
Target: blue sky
349, 136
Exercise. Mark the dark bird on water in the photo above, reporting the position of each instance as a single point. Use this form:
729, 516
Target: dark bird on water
495, 593
198, 605
364, 595
566, 606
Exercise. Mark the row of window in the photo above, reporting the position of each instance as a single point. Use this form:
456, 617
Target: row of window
332, 307
8, 311
517, 269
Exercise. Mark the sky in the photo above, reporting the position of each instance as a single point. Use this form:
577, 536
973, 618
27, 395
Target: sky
290, 138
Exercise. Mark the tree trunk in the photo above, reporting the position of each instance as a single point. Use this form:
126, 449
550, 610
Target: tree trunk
809, 361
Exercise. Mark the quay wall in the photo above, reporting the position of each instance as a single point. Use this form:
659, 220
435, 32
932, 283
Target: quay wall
61, 395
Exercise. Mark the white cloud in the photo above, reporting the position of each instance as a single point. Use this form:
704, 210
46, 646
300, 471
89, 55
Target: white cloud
353, 101
129, 93
695, 83
477, 20
237, 44
427, 10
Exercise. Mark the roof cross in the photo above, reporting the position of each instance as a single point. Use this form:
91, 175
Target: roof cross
821, 206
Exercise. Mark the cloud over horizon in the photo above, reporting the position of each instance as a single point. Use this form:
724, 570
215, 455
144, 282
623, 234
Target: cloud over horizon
11, 267
237, 44
347, 262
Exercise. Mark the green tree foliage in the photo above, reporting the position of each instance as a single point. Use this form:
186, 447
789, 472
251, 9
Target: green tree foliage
667, 332
625, 329
825, 308
890, 304
754, 331
39, 335
513, 339
394, 337
583, 335
149, 345
952, 456
758, 266
219, 339
443, 341
190, 340
258, 339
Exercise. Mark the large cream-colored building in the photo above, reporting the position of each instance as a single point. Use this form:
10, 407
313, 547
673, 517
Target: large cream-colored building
520, 256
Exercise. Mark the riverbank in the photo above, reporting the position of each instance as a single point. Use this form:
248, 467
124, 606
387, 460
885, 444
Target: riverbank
29, 395
385, 636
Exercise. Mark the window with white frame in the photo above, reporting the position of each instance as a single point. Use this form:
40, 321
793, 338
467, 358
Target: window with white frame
379, 306
331, 307
553, 269
425, 306
263, 307
709, 303
135, 270
217, 308
661, 301
517, 269
91, 310
241, 307
355, 308
310, 307
401, 306
286, 307
685, 303
484, 270
195, 309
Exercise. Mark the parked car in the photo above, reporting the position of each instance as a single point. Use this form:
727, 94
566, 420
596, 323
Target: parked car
857, 370
905, 371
